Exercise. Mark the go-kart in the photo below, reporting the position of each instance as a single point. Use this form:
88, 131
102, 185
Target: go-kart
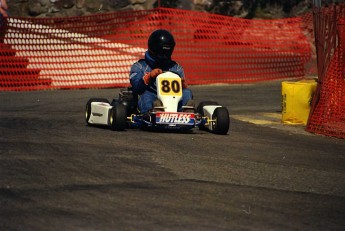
122, 113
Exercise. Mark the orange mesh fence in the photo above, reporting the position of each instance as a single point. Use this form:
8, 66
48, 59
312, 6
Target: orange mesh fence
327, 115
98, 50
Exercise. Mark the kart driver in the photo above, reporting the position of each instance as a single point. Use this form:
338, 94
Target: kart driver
157, 59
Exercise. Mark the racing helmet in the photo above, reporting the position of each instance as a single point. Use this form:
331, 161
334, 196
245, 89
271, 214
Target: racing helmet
161, 44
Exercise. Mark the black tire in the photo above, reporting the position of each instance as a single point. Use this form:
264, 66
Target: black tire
222, 121
118, 118
88, 107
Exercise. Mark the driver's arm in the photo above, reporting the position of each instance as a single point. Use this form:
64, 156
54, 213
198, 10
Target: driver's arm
140, 79
136, 78
151, 75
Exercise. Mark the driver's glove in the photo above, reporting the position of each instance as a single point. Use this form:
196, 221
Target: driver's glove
151, 75
184, 83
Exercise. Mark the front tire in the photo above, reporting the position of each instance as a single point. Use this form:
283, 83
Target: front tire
221, 122
88, 107
118, 118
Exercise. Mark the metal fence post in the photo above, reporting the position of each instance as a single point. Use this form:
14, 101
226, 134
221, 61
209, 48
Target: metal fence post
317, 3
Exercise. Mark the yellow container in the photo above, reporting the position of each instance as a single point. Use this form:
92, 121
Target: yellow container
296, 100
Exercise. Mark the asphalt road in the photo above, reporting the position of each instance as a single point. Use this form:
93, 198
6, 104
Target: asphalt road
59, 174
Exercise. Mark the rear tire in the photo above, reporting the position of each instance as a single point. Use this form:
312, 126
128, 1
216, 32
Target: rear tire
88, 107
222, 121
118, 117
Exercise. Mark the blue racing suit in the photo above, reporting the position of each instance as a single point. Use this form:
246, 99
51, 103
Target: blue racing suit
148, 93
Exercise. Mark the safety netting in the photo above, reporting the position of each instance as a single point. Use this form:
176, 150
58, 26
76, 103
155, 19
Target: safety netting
98, 50
327, 115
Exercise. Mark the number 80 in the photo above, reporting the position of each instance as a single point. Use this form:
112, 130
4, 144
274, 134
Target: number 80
168, 86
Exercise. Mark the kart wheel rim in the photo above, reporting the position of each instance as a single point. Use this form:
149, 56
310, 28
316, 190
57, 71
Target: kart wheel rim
214, 123
86, 112
111, 119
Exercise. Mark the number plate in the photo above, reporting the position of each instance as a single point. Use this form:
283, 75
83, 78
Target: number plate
170, 86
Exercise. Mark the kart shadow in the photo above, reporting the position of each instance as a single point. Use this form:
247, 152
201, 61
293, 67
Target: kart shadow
165, 131
154, 130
